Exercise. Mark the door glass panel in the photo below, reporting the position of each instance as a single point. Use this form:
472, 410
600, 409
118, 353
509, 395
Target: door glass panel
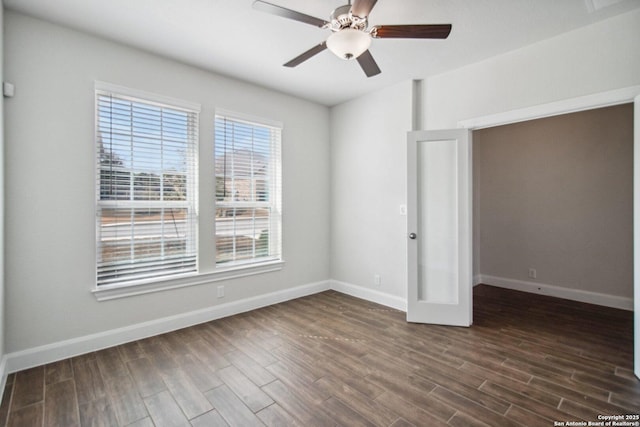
437, 222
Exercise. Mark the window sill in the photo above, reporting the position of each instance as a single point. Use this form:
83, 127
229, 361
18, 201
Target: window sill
109, 292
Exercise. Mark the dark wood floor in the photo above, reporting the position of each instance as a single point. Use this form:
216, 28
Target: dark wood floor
330, 359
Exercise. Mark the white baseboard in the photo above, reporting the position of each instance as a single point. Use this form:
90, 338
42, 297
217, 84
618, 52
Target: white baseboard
370, 295
37, 356
3, 375
558, 292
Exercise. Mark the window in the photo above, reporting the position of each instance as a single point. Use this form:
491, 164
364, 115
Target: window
146, 187
248, 188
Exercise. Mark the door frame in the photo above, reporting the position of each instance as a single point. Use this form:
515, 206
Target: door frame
598, 100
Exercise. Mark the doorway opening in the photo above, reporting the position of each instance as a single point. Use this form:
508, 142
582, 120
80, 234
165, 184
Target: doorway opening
597, 100
553, 206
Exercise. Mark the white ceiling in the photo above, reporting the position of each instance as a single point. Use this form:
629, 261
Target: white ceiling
229, 37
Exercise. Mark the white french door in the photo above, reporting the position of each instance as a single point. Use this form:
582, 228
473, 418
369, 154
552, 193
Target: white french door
439, 235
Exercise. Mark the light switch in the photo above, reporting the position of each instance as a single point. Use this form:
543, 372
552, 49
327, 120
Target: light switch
8, 89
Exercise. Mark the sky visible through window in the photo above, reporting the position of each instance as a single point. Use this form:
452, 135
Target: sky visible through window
124, 124
232, 133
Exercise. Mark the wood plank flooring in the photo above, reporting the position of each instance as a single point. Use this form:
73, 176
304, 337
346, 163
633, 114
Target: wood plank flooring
330, 359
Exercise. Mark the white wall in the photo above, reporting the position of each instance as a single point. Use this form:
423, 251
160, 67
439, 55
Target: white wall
368, 184
597, 58
50, 186
2, 273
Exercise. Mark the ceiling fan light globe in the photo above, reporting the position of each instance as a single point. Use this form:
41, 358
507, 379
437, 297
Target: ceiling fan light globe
348, 43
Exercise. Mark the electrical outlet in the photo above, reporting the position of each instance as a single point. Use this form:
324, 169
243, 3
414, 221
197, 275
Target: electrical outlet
377, 280
220, 291
532, 273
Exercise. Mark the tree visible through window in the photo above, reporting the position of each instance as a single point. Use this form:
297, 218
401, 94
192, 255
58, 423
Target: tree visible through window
146, 189
247, 169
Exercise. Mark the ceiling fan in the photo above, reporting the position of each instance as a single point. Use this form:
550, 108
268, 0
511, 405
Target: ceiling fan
351, 35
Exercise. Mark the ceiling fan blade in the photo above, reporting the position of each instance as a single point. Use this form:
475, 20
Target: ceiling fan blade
437, 31
288, 13
362, 8
368, 64
306, 55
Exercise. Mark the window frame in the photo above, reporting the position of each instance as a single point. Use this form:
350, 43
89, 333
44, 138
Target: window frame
275, 190
151, 99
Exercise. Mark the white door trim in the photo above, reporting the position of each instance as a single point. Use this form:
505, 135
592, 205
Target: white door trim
636, 234
571, 105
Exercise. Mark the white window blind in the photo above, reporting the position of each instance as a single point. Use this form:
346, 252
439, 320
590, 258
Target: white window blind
146, 154
248, 190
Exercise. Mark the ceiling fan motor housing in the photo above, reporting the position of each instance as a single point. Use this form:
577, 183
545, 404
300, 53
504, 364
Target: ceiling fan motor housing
342, 18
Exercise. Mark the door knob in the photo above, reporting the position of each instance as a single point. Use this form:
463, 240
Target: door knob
412, 236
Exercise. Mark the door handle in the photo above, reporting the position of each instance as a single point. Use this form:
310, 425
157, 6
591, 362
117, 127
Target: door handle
413, 236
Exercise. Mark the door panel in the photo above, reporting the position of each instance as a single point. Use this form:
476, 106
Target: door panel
439, 216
